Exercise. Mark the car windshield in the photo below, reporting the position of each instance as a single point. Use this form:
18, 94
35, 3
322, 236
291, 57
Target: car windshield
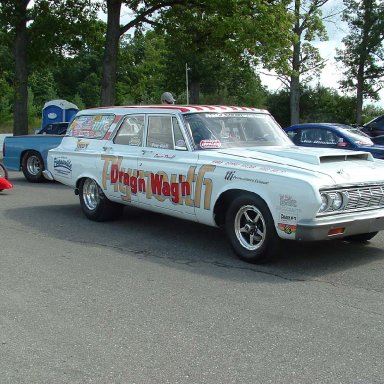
358, 137
235, 129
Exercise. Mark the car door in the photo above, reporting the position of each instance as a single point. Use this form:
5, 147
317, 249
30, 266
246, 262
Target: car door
120, 160
168, 165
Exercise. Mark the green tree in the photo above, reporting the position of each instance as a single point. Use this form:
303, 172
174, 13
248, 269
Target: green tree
30, 25
140, 78
212, 39
142, 13
304, 61
43, 86
363, 55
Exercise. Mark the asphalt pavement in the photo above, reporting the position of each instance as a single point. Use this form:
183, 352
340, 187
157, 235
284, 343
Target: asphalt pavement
151, 299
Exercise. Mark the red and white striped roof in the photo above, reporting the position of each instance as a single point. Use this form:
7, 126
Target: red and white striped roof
186, 108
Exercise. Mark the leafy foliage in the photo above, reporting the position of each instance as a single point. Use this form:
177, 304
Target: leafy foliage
221, 42
363, 55
363, 46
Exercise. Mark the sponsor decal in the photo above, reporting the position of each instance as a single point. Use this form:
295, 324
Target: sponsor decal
249, 166
271, 170
204, 144
288, 217
164, 156
192, 189
228, 114
287, 228
287, 201
62, 166
231, 175
81, 145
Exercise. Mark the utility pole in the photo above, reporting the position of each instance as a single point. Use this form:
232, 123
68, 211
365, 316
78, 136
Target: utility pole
186, 80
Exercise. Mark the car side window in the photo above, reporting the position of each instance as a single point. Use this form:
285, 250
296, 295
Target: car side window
310, 136
330, 138
131, 131
319, 137
160, 133
177, 134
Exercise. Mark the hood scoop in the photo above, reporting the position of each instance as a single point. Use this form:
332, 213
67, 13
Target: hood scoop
315, 156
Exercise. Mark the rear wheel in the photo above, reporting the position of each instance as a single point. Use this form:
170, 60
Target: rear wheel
95, 204
361, 238
251, 230
32, 166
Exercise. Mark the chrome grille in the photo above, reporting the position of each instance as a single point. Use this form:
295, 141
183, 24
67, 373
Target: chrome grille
365, 198
361, 198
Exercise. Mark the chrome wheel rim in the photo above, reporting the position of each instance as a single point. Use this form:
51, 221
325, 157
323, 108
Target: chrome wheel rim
250, 228
91, 195
33, 165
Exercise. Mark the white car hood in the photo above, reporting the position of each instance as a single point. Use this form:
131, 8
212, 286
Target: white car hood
342, 166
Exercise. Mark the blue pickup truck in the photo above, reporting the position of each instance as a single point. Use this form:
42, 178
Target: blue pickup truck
28, 153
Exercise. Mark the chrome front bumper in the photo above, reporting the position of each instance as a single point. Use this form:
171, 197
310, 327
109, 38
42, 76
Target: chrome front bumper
353, 224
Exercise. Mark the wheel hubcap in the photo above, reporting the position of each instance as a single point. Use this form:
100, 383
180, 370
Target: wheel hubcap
250, 227
91, 195
33, 165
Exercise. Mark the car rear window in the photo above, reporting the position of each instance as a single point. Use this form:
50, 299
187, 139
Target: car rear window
92, 126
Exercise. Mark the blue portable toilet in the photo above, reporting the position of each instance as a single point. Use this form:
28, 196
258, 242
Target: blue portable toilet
58, 111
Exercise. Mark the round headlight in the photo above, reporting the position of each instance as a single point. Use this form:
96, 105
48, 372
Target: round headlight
324, 202
337, 202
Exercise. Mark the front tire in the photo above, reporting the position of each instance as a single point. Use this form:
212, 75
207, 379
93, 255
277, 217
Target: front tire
32, 166
250, 229
95, 204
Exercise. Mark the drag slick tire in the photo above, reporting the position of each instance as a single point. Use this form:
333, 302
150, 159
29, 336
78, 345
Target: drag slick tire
250, 229
95, 204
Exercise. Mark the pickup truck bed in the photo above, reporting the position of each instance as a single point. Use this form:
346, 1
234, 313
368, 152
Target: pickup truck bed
28, 153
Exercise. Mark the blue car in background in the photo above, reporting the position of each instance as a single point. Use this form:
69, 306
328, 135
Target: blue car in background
329, 135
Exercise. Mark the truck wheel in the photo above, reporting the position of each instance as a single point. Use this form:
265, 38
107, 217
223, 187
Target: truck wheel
32, 166
251, 230
94, 203
361, 238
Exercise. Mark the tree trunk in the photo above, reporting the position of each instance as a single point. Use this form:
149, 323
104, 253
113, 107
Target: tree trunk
108, 83
295, 77
294, 99
359, 94
363, 60
20, 112
194, 91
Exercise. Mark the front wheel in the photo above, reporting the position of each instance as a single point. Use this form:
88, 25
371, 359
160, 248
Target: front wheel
32, 166
95, 204
251, 230
361, 238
